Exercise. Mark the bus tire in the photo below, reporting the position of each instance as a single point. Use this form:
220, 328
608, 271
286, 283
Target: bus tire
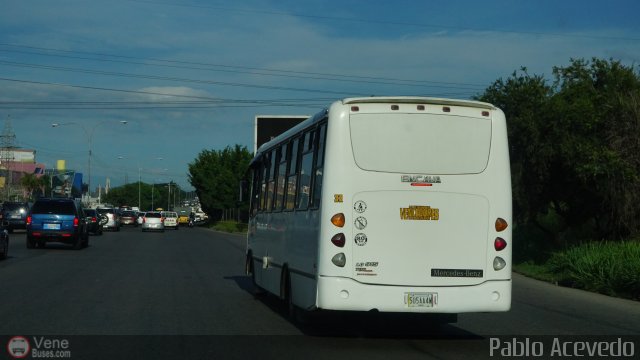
294, 313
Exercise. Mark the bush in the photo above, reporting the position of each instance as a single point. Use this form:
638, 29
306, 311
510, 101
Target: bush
611, 268
230, 226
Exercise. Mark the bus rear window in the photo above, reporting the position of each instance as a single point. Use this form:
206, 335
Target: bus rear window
420, 143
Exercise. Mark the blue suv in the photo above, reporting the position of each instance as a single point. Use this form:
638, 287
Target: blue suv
57, 220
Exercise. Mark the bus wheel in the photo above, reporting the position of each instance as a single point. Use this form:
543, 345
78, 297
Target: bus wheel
291, 308
294, 313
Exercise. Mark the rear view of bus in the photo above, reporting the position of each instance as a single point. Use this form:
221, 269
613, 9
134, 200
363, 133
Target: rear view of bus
416, 207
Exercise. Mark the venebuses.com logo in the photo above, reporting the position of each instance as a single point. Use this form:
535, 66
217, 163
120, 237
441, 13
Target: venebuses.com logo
18, 347
39, 347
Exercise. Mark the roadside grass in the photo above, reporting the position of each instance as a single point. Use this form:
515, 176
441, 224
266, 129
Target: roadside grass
229, 226
610, 268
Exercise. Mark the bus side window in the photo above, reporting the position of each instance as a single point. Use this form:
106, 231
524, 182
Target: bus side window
263, 181
306, 167
282, 176
319, 164
255, 188
292, 174
271, 185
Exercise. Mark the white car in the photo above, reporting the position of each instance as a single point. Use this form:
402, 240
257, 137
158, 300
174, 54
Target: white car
170, 219
140, 217
152, 220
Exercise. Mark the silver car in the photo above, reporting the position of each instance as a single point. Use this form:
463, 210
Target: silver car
153, 220
114, 218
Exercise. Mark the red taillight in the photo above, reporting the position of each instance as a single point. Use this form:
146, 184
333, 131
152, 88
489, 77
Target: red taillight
338, 240
76, 222
499, 244
94, 219
29, 220
162, 219
144, 219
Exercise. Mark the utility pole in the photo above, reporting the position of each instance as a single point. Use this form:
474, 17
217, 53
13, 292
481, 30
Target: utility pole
7, 147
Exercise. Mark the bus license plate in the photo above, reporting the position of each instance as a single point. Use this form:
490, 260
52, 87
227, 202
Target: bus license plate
421, 299
51, 226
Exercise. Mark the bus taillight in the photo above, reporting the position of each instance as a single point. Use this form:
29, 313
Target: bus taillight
339, 260
501, 224
499, 263
338, 240
499, 244
338, 220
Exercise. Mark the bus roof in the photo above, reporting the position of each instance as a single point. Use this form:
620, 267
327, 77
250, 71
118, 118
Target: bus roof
371, 100
418, 100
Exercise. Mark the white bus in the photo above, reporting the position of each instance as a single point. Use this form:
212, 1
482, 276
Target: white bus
390, 204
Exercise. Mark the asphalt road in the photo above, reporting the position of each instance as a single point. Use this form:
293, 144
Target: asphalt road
187, 288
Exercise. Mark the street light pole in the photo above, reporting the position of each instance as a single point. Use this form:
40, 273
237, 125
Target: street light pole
169, 197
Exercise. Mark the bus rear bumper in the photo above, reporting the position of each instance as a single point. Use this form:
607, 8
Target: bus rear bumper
335, 293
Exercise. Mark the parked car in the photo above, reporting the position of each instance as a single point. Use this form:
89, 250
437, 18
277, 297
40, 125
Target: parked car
128, 217
140, 217
57, 220
94, 221
15, 213
112, 214
153, 221
170, 219
4, 240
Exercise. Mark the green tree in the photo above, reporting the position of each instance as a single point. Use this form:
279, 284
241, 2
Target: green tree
524, 100
216, 174
593, 102
33, 184
574, 147
152, 196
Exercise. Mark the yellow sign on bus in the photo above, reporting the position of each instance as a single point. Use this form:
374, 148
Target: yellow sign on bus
414, 212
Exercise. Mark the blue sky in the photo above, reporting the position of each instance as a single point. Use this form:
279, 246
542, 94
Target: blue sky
189, 75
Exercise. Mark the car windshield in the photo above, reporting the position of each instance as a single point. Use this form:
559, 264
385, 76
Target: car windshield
13, 206
153, 215
128, 213
105, 211
53, 207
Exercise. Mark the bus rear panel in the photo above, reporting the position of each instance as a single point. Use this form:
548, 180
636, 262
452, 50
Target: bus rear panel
422, 184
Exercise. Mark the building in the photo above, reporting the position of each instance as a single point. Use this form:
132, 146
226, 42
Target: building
14, 165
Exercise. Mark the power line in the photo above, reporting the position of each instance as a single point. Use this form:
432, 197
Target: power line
215, 102
167, 78
242, 69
